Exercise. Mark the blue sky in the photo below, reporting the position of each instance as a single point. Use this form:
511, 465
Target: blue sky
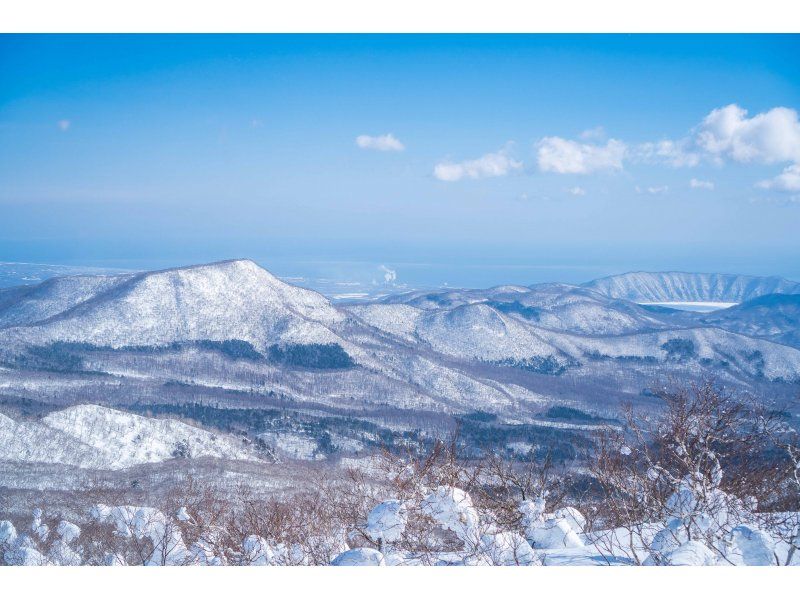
467, 160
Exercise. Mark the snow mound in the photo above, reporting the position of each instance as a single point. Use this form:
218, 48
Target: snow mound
691, 553
751, 546
359, 557
387, 521
551, 530
452, 508
508, 549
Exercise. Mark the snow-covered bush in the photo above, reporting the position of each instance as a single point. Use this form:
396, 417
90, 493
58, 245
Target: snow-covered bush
359, 557
551, 530
688, 478
8, 533
452, 509
258, 552
692, 552
387, 521
166, 545
507, 549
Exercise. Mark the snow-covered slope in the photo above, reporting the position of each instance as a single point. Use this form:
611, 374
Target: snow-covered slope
25, 305
695, 347
221, 301
90, 436
396, 319
478, 331
556, 306
776, 317
658, 287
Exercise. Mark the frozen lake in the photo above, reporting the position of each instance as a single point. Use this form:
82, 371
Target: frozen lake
700, 306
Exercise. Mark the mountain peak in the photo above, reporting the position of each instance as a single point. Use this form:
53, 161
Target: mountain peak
229, 300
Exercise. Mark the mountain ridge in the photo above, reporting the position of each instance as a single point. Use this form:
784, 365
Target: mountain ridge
676, 286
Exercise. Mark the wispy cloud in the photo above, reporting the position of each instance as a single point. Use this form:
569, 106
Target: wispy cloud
564, 156
576, 191
677, 154
661, 190
598, 132
489, 165
700, 184
779, 200
383, 143
64, 124
788, 180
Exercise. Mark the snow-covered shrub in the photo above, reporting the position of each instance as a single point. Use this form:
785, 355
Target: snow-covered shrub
551, 530
359, 557
23, 552
689, 553
452, 508
699, 512
387, 521
507, 549
749, 545
146, 523
258, 552
573, 517
689, 476
39, 529
68, 532
183, 515
8, 533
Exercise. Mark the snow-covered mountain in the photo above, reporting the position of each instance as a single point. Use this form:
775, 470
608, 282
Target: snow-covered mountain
663, 287
89, 436
222, 301
506, 350
775, 317
551, 328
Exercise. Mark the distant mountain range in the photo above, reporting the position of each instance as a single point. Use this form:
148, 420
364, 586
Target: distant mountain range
231, 327
663, 287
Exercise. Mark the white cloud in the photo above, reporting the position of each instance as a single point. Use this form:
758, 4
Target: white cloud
772, 136
576, 191
389, 275
699, 184
564, 156
64, 124
653, 190
782, 200
788, 180
727, 134
674, 153
489, 165
598, 132
383, 143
